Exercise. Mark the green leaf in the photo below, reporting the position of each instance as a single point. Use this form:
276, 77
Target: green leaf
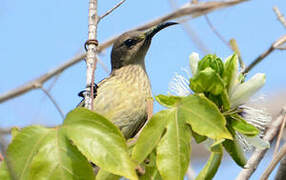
198, 138
59, 159
105, 175
230, 71
234, 150
204, 117
14, 132
4, 172
168, 101
240, 125
225, 100
24, 147
151, 134
173, 151
38, 152
207, 80
211, 61
212, 165
151, 171
100, 141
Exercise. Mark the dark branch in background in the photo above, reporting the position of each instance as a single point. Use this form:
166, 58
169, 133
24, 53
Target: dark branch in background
281, 173
279, 136
188, 9
273, 163
274, 46
257, 155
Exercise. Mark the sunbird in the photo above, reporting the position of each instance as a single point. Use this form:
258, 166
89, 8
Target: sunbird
122, 97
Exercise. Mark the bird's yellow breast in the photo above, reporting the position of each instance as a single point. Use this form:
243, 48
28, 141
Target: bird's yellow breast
122, 98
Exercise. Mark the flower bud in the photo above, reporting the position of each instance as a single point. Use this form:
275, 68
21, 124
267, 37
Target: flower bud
194, 60
213, 62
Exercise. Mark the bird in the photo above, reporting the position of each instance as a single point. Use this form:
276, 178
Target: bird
122, 96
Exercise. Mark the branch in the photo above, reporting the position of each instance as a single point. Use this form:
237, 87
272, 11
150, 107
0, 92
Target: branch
91, 47
192, 34
188, 9
273, 163
111, 10
34, 84
281, 173
274, 46
257, 155
53, 101
216, 32
279, 16
279, 136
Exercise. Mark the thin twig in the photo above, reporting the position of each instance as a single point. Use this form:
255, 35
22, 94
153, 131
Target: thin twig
40, 80
53, 101
186, 10
189, 30
279, 136
280, 16
275, 45
112, 9
273, 163
216, 32
281, 48
257, 155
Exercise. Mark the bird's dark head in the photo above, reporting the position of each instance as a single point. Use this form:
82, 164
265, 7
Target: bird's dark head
131, 47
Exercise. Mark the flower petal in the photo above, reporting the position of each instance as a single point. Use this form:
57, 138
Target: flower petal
244, 91
194, 60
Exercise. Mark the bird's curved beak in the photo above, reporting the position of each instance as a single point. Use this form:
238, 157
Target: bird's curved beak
152, 31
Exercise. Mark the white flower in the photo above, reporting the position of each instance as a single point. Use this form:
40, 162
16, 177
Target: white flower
258, 118
241, 93
194, 61
179, 85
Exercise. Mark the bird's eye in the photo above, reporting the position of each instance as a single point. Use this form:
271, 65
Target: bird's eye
130, 42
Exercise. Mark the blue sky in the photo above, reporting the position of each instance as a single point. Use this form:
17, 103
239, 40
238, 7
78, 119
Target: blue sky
37, 36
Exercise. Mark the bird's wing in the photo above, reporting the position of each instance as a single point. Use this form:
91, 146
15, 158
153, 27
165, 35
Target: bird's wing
81, 94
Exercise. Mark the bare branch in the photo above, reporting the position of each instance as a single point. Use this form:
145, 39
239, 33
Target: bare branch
188, 9
53, 101
257, 155
281, 173
111, 10
216, 32
279, 15
192, 34
279, 136
275, 45
40, 80
273, 163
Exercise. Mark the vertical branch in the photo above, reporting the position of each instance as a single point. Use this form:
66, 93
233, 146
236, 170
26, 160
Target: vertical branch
91, 46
